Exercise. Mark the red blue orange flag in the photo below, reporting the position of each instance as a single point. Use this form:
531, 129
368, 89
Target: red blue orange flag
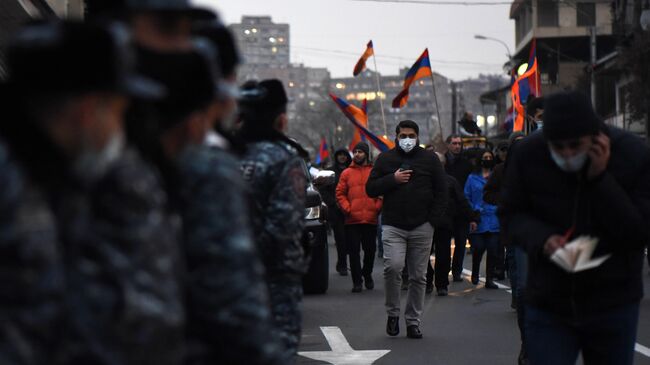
420, 69
323, 151
524, 86
356, 115
358, 137
361, 64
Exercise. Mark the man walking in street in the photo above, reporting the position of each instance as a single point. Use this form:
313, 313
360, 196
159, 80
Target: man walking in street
413, 184
580, 177
360, 213
459, 168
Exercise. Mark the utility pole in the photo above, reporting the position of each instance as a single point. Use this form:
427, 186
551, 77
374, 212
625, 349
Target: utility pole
454, 107
592, 48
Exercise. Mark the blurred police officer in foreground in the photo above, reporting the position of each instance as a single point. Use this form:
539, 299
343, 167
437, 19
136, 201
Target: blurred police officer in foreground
278, 183
121, 302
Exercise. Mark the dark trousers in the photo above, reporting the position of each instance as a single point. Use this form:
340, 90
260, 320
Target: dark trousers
338, 228
460, 232
442, 247
481, 242
500, 265
359, 236
606, 338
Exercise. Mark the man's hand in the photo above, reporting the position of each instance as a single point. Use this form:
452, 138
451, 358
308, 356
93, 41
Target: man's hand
554, 243
403, 176
599, 154
472, 226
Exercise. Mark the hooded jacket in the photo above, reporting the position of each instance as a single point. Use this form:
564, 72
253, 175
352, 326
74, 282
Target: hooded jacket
474, 193
540, 200
328, 192
420, 200
356, 205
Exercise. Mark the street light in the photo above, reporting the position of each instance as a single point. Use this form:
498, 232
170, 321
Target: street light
482, 37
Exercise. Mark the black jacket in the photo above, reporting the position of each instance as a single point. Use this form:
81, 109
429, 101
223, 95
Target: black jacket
422, 199
539, 200
458, 167
328, 192
457, 206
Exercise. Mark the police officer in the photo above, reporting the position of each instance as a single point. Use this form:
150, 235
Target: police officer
228, 315
121, 302
277, 183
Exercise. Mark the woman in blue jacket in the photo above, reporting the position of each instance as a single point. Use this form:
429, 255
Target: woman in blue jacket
486, 236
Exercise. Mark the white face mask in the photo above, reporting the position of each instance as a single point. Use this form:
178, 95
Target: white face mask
572, 164
407, 144
92, 165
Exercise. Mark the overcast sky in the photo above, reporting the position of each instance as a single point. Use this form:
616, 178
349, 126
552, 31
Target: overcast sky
334, 33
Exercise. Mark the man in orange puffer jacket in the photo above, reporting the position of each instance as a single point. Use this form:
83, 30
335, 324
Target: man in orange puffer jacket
360, 213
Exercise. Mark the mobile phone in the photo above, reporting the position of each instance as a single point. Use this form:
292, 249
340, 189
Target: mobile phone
405, 166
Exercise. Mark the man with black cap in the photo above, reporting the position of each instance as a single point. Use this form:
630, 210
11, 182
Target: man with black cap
114, 252
360, 212
277, 185
580, 177
414, 186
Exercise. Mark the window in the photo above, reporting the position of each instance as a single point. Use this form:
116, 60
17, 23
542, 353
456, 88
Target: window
586, 14
547, 13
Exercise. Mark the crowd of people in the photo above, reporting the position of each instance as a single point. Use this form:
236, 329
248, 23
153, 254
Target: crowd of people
152, 211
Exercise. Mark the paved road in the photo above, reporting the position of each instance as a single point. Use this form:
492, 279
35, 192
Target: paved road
471, 326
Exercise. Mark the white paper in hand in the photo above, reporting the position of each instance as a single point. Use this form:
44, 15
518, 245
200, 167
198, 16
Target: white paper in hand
575, 256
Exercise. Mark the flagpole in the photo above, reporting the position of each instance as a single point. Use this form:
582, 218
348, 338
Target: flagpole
435, 98
381, 102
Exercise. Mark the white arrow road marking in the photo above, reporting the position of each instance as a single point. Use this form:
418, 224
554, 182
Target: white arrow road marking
342, 353
638, 347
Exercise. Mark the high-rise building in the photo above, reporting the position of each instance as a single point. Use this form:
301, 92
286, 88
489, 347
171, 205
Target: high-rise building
261, 41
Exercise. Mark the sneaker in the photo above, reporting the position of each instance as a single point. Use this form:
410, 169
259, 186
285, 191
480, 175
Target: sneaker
392, 326
357, 288
429, 288
413, 331
491, 285
442, 292
370, 284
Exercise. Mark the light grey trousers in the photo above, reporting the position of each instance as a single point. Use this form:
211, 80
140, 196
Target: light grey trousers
414, 246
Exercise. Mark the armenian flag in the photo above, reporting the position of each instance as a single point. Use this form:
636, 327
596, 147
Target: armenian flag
356, 115
358, 137
361, 64
420, 69
525, 85
323, 151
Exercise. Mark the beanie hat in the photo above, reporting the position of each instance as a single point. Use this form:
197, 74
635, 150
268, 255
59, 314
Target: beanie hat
569, 115
363, 146
514, 136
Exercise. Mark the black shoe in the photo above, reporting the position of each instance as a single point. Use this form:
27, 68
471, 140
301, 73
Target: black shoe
370, 284
442, 292
429, 288
523, 358
513, 303
457, 278
489, 284
343, 271
357, 288
474, 280
413, 331
392, 326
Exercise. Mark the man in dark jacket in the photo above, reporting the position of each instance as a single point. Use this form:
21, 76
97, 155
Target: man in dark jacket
459, 168
414, 187
457, 208
335, 217
579, 177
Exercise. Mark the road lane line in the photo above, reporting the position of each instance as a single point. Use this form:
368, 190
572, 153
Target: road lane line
335, 338
342, 353
642, 350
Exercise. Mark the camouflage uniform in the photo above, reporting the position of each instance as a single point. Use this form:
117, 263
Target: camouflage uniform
123, 293
277, 187
31, 271
229, 320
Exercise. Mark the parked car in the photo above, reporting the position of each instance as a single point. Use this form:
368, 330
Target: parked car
316, 280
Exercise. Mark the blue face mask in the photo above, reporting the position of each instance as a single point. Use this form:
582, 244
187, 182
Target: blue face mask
571, 164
